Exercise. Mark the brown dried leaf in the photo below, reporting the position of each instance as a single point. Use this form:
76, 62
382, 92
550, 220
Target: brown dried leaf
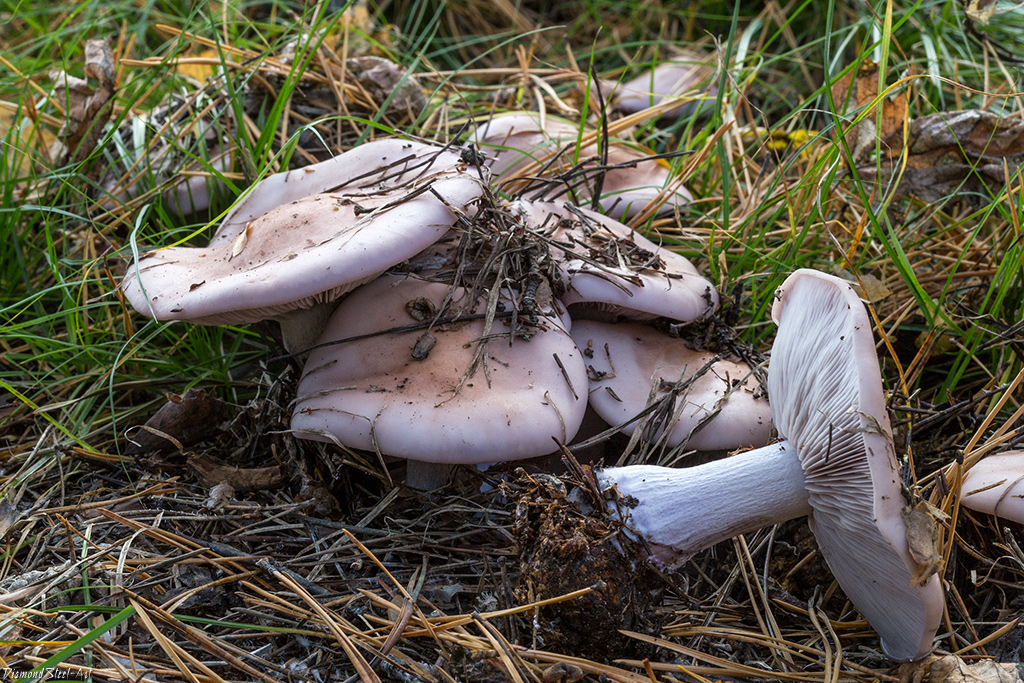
213, 472
922, 540
960, 152
952, 669
87, 107
187, 419
381, 77
8, 516
856, 91
219, 495
981, 11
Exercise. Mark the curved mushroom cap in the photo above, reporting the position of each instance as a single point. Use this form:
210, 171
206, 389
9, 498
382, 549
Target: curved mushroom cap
827, 400
668, 80
995, 485
609, 270
372, 393
629, 361
379, 165
295, 256
520, 145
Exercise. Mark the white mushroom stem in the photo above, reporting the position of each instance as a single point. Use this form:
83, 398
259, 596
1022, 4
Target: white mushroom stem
301, 328
681, 511
427, 476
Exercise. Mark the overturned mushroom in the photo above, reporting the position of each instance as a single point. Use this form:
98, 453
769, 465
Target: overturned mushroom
399, 372
836, 465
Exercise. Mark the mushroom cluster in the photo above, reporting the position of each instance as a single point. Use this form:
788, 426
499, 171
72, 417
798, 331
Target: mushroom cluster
455, 308
445, 325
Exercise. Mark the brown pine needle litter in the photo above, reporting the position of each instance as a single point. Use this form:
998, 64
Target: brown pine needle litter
136, 567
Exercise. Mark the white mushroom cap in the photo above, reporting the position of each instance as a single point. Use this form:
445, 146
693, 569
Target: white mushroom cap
629, 361
995, 485
824, 383
379, 165
609, 270
521, 144
295, 256
668, 80
370, 393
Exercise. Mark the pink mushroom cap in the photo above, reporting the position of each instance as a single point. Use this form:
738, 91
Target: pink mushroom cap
372, 394
609, 270
296, 256
995, 485
632, 365
379, 165
524, 144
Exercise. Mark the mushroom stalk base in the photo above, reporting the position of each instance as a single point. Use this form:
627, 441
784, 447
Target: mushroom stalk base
427, 476
681, 511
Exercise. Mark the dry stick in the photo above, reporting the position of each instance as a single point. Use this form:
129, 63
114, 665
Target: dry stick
771, 628
809, 654
610, 672
952, 589
171, 649
833, 661
501, 646
155, 490
444, 623
725, 667
362, 667
197, 637
401, 589
649, 670
998, 633
180, 542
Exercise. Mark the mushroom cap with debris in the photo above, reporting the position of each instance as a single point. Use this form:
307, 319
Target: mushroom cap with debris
379, 166
716, 404
298, 255
394, 373
610, 271
527, 146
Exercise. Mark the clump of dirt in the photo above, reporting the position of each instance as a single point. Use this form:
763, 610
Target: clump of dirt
566, 543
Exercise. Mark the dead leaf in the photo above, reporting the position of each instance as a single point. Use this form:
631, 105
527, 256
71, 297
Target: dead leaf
86, 105
857, 91
922, 541
199, 71
959, 152
382, 79
213, 472
219, 495
32, 141
981, 11
952, 669
188, 419
9, 515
